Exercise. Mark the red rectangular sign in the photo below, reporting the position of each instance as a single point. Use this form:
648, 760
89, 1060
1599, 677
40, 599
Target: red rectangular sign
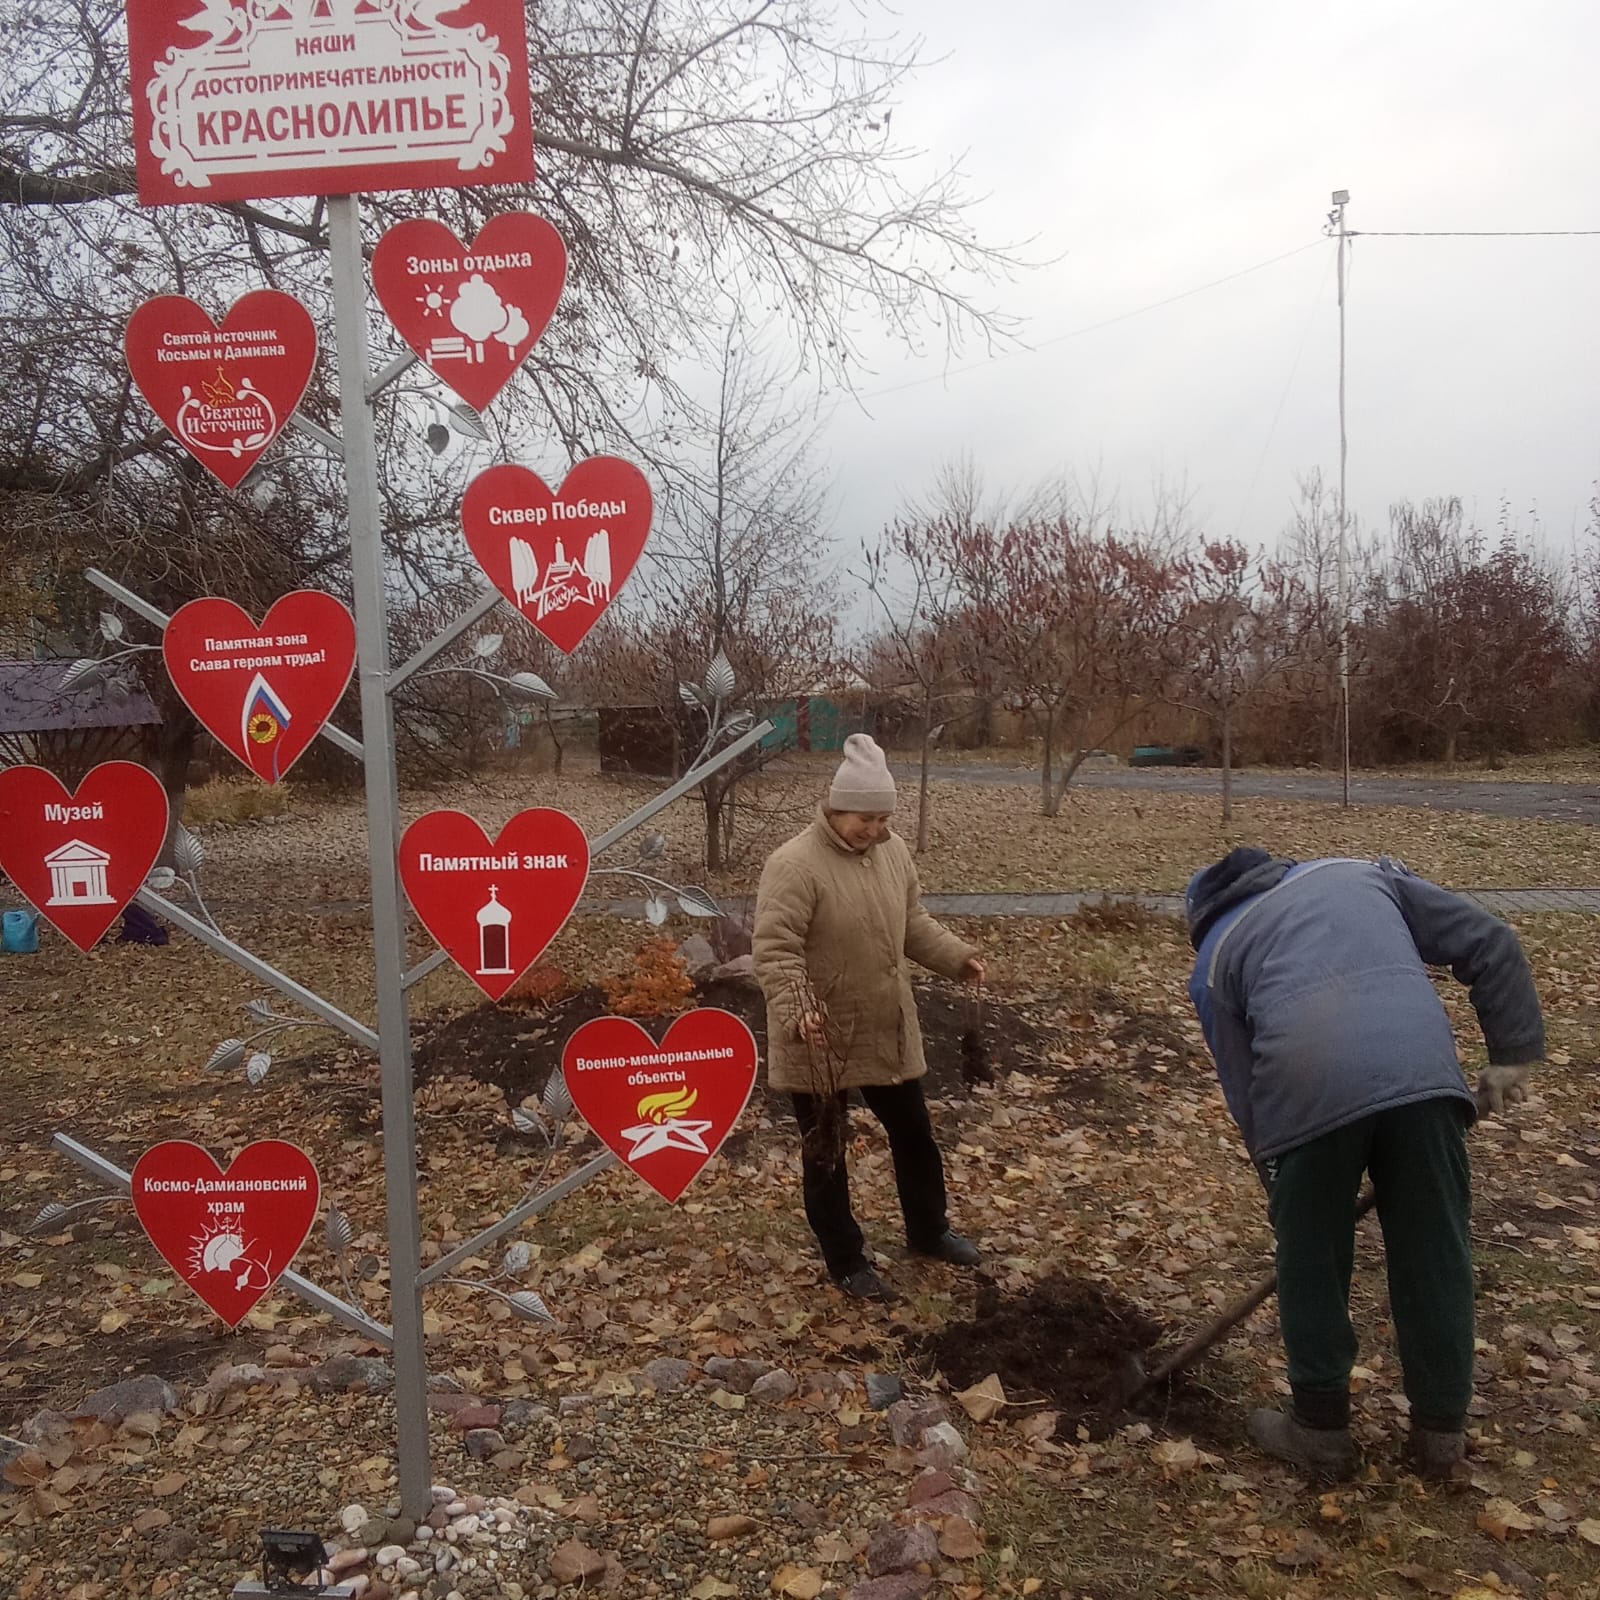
247, 99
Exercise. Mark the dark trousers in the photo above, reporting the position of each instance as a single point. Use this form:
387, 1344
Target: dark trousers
1417, 1158
918, 1175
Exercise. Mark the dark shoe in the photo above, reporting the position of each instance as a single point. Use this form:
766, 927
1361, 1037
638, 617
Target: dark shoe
865, 1284
951, 1247
1437, 1455
1321, 1452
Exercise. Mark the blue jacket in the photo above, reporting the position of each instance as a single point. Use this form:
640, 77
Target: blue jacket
1317, 1005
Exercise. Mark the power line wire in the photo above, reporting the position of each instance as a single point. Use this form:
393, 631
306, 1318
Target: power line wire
1473, 233
1093, 327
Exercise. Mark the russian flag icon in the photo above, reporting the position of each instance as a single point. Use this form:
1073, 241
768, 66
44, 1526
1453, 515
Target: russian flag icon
265, 719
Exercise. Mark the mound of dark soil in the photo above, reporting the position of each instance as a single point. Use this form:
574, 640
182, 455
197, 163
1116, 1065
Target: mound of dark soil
515, 1047
1070, 1343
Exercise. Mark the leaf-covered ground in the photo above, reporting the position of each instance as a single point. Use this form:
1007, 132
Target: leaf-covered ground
1099, 1172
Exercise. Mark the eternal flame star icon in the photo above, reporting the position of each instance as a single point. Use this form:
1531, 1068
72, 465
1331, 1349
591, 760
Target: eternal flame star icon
675, 1134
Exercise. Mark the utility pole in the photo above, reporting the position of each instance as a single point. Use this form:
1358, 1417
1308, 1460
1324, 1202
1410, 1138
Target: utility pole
1341, 198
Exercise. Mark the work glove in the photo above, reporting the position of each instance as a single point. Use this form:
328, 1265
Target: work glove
1499, 1087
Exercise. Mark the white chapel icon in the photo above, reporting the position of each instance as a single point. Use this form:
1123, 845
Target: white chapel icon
494, 936
78, 875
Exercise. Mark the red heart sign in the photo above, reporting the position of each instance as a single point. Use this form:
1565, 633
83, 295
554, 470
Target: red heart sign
471, 315
663, 1108
81, 857
226, 393
264, 693
560, 559
494, 907
229, 1235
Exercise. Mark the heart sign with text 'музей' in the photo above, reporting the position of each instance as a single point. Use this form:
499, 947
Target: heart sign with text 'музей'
263, 693
226, 393
229, 1235
471, 313
663, 1108
494, 906
81, 857
562, 558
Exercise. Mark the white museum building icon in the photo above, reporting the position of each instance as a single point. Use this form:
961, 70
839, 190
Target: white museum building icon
78, 875
494, 937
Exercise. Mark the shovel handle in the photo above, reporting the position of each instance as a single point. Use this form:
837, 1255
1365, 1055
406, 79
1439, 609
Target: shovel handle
1230, 1318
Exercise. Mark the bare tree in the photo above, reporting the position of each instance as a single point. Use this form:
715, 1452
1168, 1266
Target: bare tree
735, 607
916, 592
1073, 619
1241, 624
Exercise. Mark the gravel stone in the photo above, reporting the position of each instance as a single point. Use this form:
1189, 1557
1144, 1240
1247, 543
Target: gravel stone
347, 1372
484, 1442
735, 1373
897, 1586
908, 1419
773, 1388
896, 1548
144, 1393
883, 1389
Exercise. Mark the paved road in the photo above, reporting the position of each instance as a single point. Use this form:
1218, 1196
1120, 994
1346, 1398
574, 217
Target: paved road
1550, 802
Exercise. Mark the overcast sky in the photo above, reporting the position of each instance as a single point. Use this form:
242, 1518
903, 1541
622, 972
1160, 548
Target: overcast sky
1150, 146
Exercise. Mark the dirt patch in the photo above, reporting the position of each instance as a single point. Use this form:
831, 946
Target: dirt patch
515, 1048
1075, 1345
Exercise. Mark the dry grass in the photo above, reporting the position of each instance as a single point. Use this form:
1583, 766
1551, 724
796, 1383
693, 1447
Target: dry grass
234, 800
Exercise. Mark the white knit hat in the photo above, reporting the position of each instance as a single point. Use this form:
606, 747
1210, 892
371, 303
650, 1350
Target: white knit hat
863, 782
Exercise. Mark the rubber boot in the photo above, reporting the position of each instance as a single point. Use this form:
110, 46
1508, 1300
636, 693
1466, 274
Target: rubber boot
1320, 1452
1433, 1454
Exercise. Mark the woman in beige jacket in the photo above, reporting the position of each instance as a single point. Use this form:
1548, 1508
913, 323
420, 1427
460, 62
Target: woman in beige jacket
839, 918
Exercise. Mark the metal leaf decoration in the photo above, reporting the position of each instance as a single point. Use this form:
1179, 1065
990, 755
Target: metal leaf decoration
258, 1066
368, 1268
698, 903
526, 1121
226, 1056
111, 627
467, 422
487, 645
161, 879
337, 1230
557, 1096
529, 1306
741, 722
655, 911
652, 846
261, 1010
187, 851
48, 1216
532, 685
719, 678
80, 672
689, 695
519, 1257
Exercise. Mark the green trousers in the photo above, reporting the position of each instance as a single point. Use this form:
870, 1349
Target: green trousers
1417, 1158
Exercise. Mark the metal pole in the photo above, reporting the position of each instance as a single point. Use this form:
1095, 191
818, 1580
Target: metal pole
383, 832
1341, 198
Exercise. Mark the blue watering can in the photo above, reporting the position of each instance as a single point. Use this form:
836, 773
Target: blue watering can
19, 931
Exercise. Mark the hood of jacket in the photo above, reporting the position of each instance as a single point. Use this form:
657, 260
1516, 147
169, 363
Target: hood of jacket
1237, 876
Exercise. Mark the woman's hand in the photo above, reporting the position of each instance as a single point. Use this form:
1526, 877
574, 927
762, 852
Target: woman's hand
974, 971
813, 1029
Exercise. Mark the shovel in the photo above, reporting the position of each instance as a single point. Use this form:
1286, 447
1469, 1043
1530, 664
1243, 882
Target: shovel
1213, 1331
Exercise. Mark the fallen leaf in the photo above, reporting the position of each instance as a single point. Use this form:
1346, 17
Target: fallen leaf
959, 1540
1588, 1530
983, 1400
724, 1401
797, 1583
1175, 1456
27, 1280
168, 1483
712, 1589
831, 1548
114, 1321
1501, 1518
1427, 1578
1306, 1551
730, 1527
149, 1521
